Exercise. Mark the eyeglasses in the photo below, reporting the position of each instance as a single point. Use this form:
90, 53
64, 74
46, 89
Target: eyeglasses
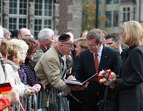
92, 45
70, 45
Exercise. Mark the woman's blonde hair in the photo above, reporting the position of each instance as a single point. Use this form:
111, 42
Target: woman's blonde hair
22, 47
82, 43
12, 51
134, 33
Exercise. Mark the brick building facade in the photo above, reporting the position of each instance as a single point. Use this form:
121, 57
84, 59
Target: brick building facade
60, 15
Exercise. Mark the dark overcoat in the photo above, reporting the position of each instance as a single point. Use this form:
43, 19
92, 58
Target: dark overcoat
130, 84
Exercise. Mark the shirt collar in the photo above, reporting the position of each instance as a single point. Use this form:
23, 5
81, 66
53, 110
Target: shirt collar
100, 51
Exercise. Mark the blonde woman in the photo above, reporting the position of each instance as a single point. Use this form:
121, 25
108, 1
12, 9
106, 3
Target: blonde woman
12, 65
81, 45
130, 83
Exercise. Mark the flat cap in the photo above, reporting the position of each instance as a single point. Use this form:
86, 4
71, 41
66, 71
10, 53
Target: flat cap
64, 37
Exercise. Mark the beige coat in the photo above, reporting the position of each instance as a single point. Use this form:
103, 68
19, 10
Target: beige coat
48, 70
13, 77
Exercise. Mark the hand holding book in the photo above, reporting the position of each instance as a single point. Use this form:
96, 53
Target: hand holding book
76, 82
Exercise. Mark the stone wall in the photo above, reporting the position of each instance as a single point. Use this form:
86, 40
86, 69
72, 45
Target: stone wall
76, 23
63, 16
70, 17
5, 13
31, 16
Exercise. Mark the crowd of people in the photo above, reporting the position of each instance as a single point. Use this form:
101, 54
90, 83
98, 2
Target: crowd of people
31, 65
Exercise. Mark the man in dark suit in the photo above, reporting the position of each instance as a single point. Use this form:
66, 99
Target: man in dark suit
108, 59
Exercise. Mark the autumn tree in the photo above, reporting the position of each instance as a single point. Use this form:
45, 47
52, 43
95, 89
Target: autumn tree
88, 15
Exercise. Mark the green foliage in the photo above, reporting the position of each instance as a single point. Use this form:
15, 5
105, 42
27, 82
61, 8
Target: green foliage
88, 15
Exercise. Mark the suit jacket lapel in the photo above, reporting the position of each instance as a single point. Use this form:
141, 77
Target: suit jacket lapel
103, 59
91, 62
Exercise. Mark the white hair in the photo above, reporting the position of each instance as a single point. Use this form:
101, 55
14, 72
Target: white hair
22, 46
6, 33
45, 33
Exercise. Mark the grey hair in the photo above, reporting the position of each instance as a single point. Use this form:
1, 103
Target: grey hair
6, 33
45, 33
95, 34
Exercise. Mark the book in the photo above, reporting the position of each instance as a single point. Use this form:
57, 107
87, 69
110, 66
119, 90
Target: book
5, 88
77, 82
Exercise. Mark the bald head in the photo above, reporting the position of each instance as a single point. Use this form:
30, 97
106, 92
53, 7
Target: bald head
24, 33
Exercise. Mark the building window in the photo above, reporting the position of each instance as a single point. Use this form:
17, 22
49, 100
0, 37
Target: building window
128, 1
23, 7
99, 1
108, 16
37, 26
134, 13
22, 22
12, 23
108, 1
126, 14
38, 7
47, 23
43, 15
115, 18
18, 14
13, 7
18, 4
48, 8
116, 1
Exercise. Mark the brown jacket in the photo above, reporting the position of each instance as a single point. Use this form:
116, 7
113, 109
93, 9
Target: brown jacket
48, 70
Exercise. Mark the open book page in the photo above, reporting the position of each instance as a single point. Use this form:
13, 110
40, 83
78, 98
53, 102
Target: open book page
76, 82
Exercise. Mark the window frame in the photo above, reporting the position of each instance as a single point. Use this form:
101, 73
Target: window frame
126, 14
115, 21
116, 1
43, 17
18, 16
108, 24
109, 1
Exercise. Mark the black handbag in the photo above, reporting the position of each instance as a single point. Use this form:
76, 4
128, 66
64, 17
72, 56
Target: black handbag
106, 104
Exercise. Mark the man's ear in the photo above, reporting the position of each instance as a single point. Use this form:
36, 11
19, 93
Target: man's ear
61, 45
45, 41
118, 42
19, 36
